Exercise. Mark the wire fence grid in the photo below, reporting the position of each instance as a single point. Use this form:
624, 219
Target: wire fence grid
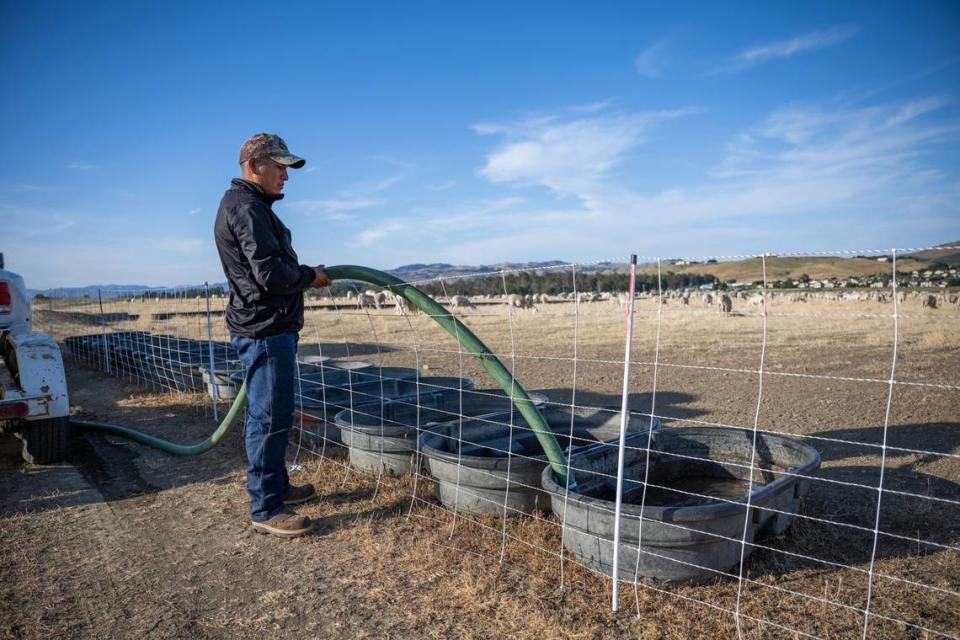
729, 389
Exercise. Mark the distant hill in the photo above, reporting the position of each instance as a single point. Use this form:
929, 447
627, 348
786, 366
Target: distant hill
741, 270
946, 256
415, 272
115, 290
779, 268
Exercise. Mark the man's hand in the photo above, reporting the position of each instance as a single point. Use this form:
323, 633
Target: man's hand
321, 279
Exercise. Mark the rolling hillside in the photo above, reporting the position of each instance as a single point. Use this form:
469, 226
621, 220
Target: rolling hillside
779, 268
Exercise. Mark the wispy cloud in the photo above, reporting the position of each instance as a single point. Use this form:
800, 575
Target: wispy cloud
378, 232
807, 160
567, 154
337, 209
80, 166
800, 163
650, 62
790, 47
20, 222
394, 162
473, 216
438, 226
21, 187
477, 232
380, 185
441, 186
194, 212
355, 197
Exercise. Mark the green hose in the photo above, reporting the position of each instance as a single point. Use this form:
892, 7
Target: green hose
421, 301
201, 446
475, 348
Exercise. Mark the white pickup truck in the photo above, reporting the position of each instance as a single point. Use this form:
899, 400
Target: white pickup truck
33, 386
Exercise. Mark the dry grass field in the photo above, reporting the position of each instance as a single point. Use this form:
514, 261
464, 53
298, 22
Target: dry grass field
122, 541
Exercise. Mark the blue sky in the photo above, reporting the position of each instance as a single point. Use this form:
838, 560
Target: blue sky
476, 133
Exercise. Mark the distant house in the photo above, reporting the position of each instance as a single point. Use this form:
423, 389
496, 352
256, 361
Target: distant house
883, 259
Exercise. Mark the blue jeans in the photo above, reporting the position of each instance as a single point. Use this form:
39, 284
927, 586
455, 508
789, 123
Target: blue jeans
270, 365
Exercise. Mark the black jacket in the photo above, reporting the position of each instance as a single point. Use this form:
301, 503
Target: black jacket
266, 282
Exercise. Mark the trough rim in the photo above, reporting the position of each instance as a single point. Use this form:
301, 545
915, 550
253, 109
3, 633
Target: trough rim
488, 462
692, 513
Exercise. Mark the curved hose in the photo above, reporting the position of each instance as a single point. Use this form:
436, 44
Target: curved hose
421, 301
201, 446
475, 348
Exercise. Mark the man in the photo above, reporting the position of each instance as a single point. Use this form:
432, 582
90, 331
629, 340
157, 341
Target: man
264, 315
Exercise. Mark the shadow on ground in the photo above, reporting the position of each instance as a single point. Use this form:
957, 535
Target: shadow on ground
919, 511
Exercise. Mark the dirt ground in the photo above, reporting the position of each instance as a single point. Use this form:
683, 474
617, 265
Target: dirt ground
122, 541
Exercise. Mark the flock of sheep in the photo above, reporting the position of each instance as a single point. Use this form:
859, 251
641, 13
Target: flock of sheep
724, 302
371, 299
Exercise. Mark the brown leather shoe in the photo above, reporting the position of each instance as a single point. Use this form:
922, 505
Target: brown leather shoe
298, 494
285, 524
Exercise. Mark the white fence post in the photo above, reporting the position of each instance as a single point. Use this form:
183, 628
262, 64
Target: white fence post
624, 419
103, 333
212, 372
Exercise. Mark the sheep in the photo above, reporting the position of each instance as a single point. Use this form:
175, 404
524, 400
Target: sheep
707, 300
461, 301
380, 298
351, 294
929, 300
724, 304
402, 305
365, 301
520, 302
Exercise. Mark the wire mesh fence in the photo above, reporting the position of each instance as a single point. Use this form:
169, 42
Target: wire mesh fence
792, 443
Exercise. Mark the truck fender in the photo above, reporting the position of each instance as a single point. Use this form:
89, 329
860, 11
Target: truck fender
40, 370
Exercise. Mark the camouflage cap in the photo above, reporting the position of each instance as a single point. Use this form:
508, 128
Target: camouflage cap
262, 145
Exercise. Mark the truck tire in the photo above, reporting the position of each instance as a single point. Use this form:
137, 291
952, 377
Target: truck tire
45, 441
